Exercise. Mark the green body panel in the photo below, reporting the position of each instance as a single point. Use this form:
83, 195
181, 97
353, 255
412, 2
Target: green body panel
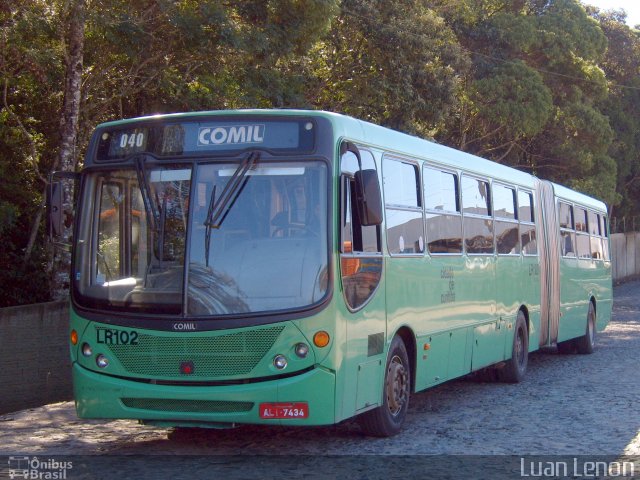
101, 396
581, 281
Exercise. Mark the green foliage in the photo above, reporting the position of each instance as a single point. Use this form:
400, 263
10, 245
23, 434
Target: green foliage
548, 86
514, 95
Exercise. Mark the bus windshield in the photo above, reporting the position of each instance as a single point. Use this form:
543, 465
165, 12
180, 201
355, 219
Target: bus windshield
148, 241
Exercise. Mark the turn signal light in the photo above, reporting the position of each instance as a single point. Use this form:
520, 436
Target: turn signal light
74, 337
321, 339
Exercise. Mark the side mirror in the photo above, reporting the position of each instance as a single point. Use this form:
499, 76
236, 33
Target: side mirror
369, 201
54, 210
60, 210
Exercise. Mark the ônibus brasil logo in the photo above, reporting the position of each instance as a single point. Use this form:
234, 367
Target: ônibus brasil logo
35, 468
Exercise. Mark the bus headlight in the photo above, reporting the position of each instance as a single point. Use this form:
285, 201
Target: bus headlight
280, 362
302, 350
102, 361
86, 350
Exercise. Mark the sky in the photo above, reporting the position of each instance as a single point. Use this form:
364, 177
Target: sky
632, 7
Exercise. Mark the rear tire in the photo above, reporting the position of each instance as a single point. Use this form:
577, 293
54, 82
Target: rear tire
516, 368
587, 343
387, 420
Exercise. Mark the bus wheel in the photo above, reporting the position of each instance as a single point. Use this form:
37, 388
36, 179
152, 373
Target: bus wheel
387, 419
586, 343
515, 368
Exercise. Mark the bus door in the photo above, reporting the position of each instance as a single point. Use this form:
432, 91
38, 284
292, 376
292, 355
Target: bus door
361, 265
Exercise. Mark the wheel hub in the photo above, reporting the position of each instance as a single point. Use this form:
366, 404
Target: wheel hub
397, 385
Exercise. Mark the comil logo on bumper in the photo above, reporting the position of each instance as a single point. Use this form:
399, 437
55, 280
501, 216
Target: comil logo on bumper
230, 135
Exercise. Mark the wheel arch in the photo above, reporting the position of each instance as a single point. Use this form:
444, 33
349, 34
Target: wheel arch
525, 311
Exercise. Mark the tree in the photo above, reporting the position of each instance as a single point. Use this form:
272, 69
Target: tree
393, 63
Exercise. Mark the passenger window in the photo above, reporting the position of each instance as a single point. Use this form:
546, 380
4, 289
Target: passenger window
504, 200
443, 219
475, 196
476, 203
568, 243
440, 190
400, 183
405, 225
582, 237
605, 239
594, 224
525, 206
566, 216
528, 238
581, 220
504, 209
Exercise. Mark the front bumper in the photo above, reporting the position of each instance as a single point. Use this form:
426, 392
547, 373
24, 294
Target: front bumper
103, 396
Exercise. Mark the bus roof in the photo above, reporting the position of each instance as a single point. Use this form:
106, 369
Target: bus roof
361, 131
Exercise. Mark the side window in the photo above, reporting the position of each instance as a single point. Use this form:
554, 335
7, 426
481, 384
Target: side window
567, 233
525, 207
582, 237
605, 238
504, 207
360, 245
478, 224
596, 240
442, 205
527, 225
405, 226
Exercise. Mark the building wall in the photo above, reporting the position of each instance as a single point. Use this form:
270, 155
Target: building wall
625, 256
34, 355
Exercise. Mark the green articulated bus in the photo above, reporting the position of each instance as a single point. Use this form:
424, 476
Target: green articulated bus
288, 267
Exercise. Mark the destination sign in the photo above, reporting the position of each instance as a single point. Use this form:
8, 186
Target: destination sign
201, 137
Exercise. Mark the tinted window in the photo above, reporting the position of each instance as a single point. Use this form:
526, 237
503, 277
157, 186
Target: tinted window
405, 232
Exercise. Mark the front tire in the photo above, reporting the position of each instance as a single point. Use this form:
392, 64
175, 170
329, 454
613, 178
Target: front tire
516, 368
387, 420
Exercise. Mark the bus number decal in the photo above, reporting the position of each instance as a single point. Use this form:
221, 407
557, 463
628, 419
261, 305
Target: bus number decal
131, 140
112, 336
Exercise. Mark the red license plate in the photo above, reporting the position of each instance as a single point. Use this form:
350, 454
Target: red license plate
284, 410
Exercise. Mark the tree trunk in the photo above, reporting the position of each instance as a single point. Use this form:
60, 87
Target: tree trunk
74, 39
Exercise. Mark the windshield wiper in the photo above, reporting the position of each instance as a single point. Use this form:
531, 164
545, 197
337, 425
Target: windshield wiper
218, 209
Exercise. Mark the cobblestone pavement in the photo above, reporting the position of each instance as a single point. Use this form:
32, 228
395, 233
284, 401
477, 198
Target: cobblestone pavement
567, 405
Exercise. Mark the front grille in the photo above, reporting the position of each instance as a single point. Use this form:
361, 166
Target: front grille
198, 406
215, 356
